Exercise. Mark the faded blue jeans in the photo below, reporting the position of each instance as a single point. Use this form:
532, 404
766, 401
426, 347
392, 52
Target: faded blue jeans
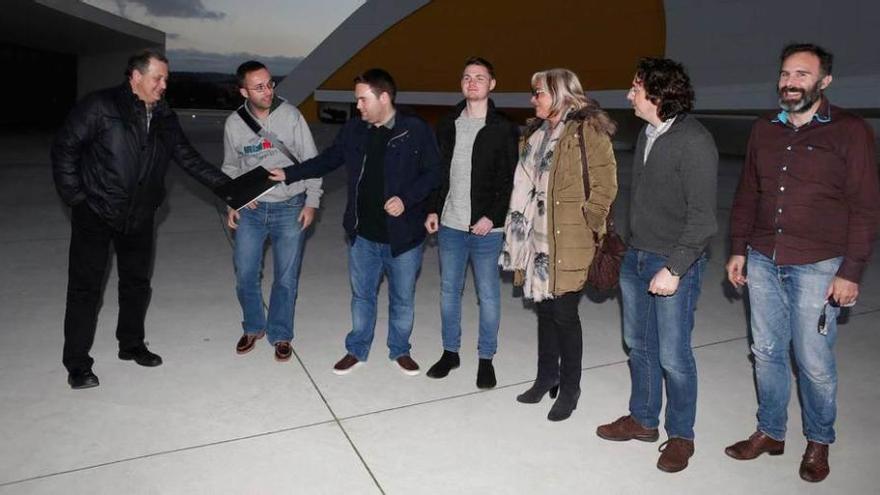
278, 222
367, 261
786, 302
456, 247
657, 330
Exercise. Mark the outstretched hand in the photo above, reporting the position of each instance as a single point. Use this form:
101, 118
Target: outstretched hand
277, 174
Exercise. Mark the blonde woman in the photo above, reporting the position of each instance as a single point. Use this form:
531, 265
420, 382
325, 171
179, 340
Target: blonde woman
550, 226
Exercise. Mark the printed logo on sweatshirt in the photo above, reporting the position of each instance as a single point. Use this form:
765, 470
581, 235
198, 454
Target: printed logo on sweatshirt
253, 149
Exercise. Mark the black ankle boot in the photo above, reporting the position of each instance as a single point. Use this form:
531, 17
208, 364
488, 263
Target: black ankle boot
448, 361
564, 405
486, 374
536, 393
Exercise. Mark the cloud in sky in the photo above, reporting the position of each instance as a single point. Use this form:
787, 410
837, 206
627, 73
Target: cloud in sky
187, 9
287, 28
226, 63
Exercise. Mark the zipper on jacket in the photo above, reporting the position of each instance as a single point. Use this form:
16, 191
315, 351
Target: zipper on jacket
357, 189
396, 137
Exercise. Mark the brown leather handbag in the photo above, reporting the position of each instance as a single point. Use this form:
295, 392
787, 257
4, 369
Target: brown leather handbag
604, 273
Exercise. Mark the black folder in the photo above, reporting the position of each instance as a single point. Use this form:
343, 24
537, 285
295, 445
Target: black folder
246, 187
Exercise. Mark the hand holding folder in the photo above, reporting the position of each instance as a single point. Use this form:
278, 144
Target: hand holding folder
245, 188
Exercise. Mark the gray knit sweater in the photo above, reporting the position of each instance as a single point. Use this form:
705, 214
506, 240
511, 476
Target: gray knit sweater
672, 199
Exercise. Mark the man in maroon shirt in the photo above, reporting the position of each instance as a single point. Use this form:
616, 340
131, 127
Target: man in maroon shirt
804, 219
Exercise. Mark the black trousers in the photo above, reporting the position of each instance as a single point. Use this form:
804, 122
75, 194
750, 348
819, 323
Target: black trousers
90, 241
560, 342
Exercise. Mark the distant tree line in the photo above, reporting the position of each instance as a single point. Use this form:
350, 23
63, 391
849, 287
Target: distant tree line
208, 90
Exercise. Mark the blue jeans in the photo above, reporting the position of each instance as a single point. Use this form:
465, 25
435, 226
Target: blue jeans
456, 248
657, 330
367, 261
278, 222
786, 302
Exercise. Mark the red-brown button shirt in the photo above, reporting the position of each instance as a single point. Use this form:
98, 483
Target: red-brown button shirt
810, 193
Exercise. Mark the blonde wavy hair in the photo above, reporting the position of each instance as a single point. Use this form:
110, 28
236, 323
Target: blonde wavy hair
566, 93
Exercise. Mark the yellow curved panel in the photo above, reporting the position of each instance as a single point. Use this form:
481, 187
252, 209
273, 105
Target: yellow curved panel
597, 39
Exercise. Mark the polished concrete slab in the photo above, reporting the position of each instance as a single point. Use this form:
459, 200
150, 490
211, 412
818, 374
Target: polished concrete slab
210, 421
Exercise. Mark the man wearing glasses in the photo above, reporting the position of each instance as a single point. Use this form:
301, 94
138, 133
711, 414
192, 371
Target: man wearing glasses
268, 132
671, 221
803, 222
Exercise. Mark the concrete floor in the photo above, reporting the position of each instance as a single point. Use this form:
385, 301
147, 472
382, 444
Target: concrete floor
210, 421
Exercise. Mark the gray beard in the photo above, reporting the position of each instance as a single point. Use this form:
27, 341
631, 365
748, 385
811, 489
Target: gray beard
804, 104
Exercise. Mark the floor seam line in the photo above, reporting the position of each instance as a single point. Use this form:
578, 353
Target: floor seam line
515, 384
166, 452
335, 418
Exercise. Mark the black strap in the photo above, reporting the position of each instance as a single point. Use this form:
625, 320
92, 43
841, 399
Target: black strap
609, 220
265, 133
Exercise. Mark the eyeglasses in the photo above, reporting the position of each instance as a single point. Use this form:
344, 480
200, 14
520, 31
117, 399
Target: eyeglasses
263, 87
537, 91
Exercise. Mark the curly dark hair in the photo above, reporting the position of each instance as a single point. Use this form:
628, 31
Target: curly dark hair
667, 85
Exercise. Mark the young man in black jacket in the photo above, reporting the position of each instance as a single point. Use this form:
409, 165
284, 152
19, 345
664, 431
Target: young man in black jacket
478, 148
109, 162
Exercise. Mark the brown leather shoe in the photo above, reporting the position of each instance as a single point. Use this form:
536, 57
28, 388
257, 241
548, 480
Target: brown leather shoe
756, 445
627, 428
814, 465
346, 365
407, 365
247, 342
675, 453
283, 351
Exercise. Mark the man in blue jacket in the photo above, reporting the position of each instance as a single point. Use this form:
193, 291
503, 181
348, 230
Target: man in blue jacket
393, 165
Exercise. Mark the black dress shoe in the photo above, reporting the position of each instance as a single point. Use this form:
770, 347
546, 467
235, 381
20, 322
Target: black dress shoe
142, 356
82, 379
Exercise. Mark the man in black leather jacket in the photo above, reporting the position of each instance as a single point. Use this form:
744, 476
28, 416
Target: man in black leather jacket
109, 162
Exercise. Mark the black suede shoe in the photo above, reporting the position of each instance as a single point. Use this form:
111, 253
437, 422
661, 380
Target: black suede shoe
536, 392
486, 374
448, 361
141, 355
82, 379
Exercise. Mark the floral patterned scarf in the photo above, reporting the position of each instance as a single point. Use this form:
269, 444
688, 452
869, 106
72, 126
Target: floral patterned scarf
525, 229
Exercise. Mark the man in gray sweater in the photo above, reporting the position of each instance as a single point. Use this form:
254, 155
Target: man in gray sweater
672, 218
282, 214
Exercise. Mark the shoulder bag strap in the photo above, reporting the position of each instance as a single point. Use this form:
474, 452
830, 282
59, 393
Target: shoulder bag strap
609, 220
265, 133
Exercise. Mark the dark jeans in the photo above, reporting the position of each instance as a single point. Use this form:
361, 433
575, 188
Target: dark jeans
90, 240
560, 342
